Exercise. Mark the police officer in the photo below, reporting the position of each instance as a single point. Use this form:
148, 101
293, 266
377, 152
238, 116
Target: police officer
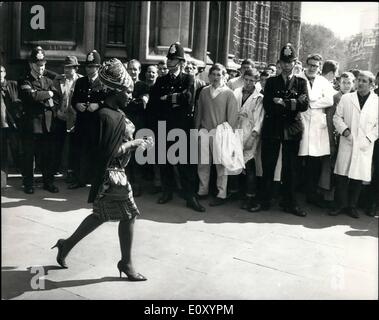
88, 94
171, 100
37, 92
285, 96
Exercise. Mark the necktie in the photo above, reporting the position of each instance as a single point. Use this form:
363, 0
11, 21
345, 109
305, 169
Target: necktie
286, 81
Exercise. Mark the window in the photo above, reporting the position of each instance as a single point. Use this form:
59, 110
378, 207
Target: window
116, 23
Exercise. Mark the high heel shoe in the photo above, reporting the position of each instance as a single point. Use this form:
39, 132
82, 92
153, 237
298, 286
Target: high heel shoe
60, 256
130, 276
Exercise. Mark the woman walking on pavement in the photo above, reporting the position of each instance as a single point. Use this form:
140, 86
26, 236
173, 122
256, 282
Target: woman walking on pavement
115, 144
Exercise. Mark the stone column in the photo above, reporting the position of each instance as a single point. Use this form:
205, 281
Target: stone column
200, 39
295, 25
274, 32
226, 14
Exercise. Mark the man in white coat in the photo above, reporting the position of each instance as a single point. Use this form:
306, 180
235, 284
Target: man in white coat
250, 120
356, 120
315, 140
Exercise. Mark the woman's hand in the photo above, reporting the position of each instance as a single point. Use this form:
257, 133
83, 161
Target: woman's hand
146, 143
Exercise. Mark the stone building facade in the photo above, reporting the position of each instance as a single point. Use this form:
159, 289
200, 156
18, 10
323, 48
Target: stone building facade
211, 31
363, 50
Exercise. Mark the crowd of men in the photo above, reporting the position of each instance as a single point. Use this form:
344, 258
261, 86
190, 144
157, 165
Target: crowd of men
310, 129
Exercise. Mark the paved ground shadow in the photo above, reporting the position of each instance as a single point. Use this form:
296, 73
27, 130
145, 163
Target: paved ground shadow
15, 282
176, 211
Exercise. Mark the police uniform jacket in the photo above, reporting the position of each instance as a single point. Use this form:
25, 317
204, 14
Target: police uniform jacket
177, 110
87, 92
38, 106
135, 110
281, 122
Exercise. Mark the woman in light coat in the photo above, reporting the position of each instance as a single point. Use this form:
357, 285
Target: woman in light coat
356, 120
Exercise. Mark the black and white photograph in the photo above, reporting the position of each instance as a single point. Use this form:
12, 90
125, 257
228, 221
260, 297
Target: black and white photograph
205, 151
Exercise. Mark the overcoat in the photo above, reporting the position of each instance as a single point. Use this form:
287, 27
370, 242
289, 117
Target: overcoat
354, 158
250, 118
315, 139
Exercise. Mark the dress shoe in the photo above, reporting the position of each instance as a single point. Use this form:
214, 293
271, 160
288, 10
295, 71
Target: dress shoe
51, 188
61, 256
195, 205
352, 212
166, 197
76, 185
217, 202
253, 205
29, 190
296, 211
131, 276
336, 212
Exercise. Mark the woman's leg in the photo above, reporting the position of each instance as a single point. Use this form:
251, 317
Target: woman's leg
125, 234
89, 224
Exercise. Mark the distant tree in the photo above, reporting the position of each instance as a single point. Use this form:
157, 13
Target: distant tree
321, 40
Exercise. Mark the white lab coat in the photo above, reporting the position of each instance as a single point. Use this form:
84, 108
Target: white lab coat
354, 158
250, 118
315, 139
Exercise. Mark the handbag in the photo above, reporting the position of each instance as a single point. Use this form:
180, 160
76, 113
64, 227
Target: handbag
115, 185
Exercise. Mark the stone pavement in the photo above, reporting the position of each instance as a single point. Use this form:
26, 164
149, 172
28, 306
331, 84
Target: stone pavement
224, 253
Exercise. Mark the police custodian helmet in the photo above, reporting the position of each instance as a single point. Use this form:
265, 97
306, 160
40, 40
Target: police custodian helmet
93, 59
176, 51
37, 55
287, 54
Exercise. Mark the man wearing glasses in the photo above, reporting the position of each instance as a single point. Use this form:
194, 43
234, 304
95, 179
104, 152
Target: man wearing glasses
314, 145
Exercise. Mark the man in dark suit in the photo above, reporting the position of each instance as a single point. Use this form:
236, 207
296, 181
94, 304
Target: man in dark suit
11, 114
88, 94
36, 92
171, 100
285, 96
